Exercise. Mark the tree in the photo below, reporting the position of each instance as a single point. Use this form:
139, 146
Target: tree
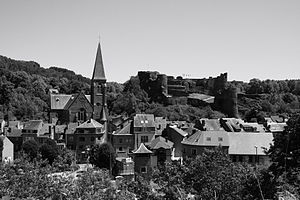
49, 150
30, 147
285, 154
214, 175
103, 156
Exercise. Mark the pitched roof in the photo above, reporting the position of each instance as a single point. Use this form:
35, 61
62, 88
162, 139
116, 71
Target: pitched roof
63, 101
91, 123
142, 150
124, 131
144, 120
59, 101
98, 73
161, 142
244, 143
178, 130
207, 138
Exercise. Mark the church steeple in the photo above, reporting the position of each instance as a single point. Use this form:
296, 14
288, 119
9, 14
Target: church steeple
99, 74
98, 87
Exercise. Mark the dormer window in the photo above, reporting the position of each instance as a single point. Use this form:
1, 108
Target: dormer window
57, 99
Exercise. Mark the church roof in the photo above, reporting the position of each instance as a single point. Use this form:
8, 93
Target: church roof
142, 150
63, 101
98, 73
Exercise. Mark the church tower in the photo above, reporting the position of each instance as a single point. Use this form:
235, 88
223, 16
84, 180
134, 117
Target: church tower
98, 89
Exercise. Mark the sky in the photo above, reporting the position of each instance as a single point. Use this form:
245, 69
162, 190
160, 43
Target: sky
189, 38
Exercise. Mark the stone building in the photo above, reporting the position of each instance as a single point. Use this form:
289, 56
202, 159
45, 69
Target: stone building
70, 108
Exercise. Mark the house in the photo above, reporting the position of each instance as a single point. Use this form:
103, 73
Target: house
123, 141
14, 125
162, 149
250, 147
196, 143
143, 128
8, 150
176, 135
144, 160
86, 135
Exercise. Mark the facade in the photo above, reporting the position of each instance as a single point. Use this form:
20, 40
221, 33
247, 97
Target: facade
201, 140
123, 141
143, 128
86, 135
162, 149
176, 135
8, 150
250, 147
144, 160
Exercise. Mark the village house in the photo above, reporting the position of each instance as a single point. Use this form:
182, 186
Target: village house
86, 135
201, 140
250, 147
143, 128
123, 141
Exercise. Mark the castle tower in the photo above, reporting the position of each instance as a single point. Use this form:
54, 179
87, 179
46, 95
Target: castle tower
98, 88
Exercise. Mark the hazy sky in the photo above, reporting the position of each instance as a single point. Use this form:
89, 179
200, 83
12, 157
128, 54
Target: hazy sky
247, 39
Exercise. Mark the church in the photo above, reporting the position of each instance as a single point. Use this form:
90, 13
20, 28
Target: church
78, 108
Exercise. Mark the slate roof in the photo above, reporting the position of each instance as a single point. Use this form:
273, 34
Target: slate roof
14, 124
231, 124
244, 143
91, 123
161, 142
63, 101
71, 128
207, 138
98, 73
144, 120
178, 130
124, 131
142, 150
277, 119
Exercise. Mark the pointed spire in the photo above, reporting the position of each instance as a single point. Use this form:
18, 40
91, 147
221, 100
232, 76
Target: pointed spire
98, 73
103, 115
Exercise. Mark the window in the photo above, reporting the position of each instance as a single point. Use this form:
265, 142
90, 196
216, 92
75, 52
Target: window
81, 115
143, 169
70, 138
194, 151
240, 158
139, 129
80, 146
81, 139
120, 148
220, 139
120, 140
144, 139
92, 139
208, 139
34, 131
